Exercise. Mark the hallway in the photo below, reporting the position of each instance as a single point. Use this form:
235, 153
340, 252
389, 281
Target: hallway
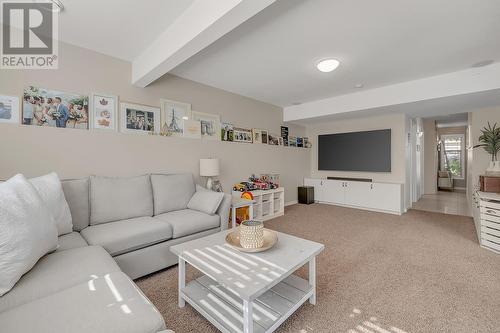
454, 203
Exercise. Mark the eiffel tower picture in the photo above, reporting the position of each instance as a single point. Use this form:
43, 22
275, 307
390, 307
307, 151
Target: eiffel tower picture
174, 126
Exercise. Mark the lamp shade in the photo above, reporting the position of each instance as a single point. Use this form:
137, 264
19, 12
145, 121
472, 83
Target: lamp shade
209, 167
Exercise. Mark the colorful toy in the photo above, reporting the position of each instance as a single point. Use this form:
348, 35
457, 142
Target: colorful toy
244, 186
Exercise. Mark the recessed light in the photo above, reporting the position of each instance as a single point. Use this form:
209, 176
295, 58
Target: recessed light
359, 85
185, 118
328, 65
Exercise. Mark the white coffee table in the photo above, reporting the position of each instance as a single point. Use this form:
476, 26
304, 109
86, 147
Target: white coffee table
243, 292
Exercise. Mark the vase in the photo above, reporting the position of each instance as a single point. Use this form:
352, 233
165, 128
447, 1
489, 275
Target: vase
493, 169
251, 234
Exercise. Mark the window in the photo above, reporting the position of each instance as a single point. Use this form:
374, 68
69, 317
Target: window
452, 154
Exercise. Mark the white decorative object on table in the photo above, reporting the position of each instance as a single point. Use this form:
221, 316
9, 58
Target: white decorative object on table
252, 234
209, 167
270, 239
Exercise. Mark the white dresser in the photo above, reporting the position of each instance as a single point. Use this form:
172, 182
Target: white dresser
487, 220
382, 197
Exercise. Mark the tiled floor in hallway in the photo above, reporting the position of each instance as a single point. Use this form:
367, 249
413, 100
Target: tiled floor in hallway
454, 203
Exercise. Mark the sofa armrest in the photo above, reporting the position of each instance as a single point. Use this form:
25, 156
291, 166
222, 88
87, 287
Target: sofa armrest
223, 211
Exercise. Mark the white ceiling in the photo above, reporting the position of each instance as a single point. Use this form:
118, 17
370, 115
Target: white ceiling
119, 28
452, 108
272, 56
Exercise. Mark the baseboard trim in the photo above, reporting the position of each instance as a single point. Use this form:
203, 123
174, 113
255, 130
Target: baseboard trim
289, 203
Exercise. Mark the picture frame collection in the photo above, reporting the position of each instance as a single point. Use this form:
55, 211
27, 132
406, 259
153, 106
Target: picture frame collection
104, 112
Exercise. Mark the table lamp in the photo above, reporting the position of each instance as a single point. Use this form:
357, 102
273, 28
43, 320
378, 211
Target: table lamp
209, 167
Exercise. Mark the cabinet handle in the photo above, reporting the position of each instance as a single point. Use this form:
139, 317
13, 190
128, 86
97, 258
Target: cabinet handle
321, 183
371, 186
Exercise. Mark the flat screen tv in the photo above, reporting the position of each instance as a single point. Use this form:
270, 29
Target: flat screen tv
356, 151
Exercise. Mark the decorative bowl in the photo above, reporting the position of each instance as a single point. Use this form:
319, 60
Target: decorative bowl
270, 239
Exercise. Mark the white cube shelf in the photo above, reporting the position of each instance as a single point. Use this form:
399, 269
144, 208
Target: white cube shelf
268, 203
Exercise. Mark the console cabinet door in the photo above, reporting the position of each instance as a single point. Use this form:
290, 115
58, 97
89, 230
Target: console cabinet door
334, 191
357, 194
386, 196
318, 187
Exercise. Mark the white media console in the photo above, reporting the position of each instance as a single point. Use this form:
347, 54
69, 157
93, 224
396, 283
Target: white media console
382, 197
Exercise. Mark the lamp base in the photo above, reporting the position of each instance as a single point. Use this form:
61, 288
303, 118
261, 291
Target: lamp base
209, 183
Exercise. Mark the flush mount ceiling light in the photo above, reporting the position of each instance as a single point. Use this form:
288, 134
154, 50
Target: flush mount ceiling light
328, 65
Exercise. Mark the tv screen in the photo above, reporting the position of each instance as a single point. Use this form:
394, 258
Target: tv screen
356, 151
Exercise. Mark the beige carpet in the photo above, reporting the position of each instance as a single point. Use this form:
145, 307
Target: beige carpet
379, 273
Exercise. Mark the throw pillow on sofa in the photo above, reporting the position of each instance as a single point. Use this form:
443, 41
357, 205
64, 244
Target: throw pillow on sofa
28, 230
205, 201
50, 190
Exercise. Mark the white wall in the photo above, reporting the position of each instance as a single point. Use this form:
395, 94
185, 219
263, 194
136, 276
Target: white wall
77, 153
430, 156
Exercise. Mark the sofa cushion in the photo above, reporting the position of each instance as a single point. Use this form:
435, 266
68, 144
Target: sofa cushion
58, 271
27, 230
187, 221
71, 241
128, 235
50, 190
106, 304
115, 199
205, 201
171, 192
77, 196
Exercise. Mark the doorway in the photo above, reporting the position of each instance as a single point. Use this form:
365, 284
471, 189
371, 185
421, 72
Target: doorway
443, 164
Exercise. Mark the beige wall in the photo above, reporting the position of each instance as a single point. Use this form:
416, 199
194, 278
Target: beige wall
430, 156
396, 122
481, 159
76, 153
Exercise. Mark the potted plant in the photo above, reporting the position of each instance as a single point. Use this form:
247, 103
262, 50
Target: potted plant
490, 142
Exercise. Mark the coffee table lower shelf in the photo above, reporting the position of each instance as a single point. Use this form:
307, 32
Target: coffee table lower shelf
225, 310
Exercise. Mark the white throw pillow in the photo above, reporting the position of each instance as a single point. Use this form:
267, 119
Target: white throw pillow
27, 230
50, 190
205, 201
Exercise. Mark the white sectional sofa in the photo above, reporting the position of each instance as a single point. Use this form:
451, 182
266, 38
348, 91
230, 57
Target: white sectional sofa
122, 230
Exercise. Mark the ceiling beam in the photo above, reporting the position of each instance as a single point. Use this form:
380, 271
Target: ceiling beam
199, 26
468, 81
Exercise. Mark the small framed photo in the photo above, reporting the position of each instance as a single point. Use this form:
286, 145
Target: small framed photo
173, 115
9, 109
264, 136
210, 125
243, 135
227, 132
104, 112
257, 135
192, 129
292, 141
139, 119
273, 140
280, 141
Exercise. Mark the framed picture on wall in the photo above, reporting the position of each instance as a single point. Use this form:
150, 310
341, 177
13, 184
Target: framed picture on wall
139, 119
192, 129
210, 125
9, 109
227, 132
173, 115
104, 112
264, 137
243, 135
257, 135
52, 108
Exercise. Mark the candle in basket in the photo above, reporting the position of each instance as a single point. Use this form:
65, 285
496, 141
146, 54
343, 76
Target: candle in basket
251, 234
